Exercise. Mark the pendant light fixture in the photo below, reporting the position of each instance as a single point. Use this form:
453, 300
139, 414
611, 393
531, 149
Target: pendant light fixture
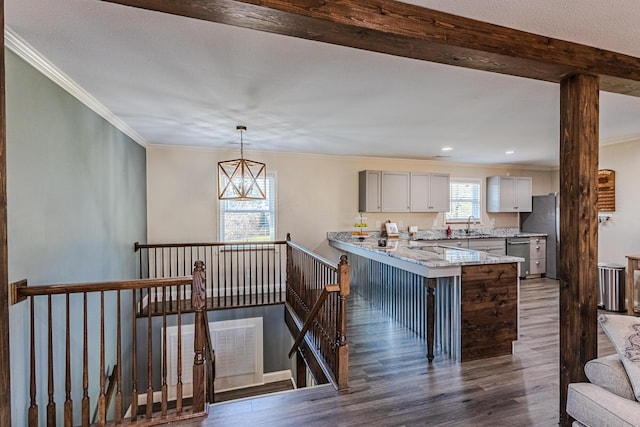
242, 179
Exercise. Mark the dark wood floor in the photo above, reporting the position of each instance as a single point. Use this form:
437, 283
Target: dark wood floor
393, 385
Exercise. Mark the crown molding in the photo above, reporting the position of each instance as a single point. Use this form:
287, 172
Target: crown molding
621, 140
34, 58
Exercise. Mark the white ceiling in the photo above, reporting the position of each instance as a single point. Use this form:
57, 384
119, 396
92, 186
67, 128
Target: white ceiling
179, 81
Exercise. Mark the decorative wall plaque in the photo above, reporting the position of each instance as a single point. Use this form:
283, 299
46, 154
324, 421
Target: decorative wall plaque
606, 190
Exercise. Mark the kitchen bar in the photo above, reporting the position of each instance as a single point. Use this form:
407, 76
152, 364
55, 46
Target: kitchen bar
463, 302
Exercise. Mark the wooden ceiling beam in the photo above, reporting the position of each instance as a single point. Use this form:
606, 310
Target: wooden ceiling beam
410, 31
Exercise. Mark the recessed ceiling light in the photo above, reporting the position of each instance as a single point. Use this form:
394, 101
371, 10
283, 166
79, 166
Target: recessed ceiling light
509, 152
447, 148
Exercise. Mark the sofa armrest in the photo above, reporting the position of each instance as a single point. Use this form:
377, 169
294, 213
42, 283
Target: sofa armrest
594, 406
609, 373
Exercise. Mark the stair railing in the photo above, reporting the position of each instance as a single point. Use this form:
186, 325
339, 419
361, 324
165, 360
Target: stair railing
317, 293
72, 338
240, 274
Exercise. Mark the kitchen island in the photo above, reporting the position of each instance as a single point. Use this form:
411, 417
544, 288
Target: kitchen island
463, 302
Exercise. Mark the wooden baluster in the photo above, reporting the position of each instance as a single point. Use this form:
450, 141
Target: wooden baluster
246, 254
169, 267
134, 358
33, 408
85, 366
198, 303
118, 415
281, 277
51, 406
241, 276
149, 406
178, 272
210, 285
102, 410
136, 248
225, 274
182, 272
150, 298
342, 373
290, 275
254, 273
270, 277
139, 291
165, 396
68, 403
179, 367
215, 289
188, 267
262, 281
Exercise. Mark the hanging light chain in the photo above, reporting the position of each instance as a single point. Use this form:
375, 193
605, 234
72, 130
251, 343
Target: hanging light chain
241, 129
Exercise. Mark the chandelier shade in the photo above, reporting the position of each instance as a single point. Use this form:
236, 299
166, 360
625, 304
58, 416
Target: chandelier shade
242, 179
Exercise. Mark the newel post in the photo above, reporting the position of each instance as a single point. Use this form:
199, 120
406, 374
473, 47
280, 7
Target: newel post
344, 271
198, 300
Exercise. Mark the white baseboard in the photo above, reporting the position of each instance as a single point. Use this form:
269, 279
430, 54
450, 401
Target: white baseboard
269, 377
274, 377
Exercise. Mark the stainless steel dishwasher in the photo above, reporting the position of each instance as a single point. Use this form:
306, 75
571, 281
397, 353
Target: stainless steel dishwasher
519, 246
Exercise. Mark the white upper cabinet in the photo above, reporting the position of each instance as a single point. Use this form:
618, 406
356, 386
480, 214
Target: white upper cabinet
523, 194
370, 187
509, 194
383, 191
395, 191
429, 192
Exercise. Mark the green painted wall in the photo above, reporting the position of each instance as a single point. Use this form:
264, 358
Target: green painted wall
76, 204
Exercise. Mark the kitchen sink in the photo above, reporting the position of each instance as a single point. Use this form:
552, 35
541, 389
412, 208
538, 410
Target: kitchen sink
436, 249
478, 234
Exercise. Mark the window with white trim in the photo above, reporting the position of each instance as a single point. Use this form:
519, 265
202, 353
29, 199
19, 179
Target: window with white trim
464, 200
249, 220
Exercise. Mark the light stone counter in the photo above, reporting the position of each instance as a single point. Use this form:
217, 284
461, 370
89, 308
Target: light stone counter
419, 257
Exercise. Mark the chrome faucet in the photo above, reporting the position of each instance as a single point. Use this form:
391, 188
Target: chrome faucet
469, 222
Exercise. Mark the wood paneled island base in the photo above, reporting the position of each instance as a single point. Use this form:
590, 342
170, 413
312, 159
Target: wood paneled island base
489, 310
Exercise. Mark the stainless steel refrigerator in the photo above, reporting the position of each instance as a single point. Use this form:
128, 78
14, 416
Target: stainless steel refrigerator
545, 218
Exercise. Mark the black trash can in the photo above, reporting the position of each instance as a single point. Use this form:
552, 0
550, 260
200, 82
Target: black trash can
611, 286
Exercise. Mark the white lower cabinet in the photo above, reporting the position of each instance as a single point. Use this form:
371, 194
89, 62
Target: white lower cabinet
492, 246
538, 260
456, 243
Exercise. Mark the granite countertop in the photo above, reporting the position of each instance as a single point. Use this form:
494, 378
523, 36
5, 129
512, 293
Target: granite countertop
432, 256
426, 235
